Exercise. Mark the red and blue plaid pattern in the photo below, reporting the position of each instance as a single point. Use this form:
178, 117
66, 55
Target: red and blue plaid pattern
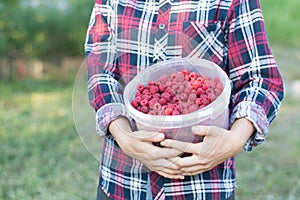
127, 36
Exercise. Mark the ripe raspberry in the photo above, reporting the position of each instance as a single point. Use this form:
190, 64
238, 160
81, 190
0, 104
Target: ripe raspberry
162, 101
183, 96
145, 109
144, 102
138, 99
175, 112
134, 103
168, 111
153, 89
192, 97
140, 87
156, 106
166, 96
193, 108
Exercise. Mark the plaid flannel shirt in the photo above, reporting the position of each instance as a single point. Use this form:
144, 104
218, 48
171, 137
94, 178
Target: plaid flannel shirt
126, 36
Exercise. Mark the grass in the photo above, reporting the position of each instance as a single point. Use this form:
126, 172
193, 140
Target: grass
270, 171
42, 156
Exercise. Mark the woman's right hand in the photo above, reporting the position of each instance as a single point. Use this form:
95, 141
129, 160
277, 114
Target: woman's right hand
139, 145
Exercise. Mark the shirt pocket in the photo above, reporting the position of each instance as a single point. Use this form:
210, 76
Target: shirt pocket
205, 41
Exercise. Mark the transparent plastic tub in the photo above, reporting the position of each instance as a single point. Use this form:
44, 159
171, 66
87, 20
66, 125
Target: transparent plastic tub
179, 126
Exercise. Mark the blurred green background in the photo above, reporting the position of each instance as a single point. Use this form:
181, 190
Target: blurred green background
42, 155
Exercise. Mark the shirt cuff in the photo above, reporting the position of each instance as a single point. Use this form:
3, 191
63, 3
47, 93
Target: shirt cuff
106, 114
257, 116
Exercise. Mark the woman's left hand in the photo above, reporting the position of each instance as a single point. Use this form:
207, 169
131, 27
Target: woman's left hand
217, 146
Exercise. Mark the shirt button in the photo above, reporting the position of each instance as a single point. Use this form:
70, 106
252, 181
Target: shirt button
161, 26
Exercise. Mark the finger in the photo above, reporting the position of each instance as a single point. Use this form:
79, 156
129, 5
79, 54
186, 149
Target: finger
201, 130
169, 169
170, 176
179, 145
152, 136
164, 153
164, 164
187, 162
195, 169
147, 135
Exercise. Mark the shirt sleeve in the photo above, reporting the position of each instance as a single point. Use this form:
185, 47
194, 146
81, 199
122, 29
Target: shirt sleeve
256, 81
104, 83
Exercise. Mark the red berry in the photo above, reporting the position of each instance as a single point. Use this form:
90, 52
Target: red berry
140, 87
138, 99
179, 78
144, 102
217, 91
145, 91
150, 82
144, 109
185, 72
163, 79
173, 76
175, 112
152, 112
199, 101
185, 111
219, 86
166, 96
156, 106
162, 101
212, 84
192, 97
147, 96
161, 88
196, 85
169, 83
183, 96
168, 111
153, 89
193, 108
152, 102
187, 91
193, 75
200, 91
205, 101
160, 112
134, 103
209, 91
156, 95
212, 97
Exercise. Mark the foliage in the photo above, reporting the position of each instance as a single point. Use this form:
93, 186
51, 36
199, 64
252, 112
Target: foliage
48, 29
282, 21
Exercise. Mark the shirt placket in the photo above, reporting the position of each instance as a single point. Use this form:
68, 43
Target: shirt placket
160, 54
161, 34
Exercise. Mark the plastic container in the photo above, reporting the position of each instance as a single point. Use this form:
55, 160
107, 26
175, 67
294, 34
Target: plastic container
179, 126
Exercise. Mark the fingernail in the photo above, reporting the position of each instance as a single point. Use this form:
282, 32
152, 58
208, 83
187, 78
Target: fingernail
194, 128
182, 177
163, 143
160, 136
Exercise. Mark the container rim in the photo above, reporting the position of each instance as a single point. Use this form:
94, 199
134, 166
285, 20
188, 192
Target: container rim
213, 110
